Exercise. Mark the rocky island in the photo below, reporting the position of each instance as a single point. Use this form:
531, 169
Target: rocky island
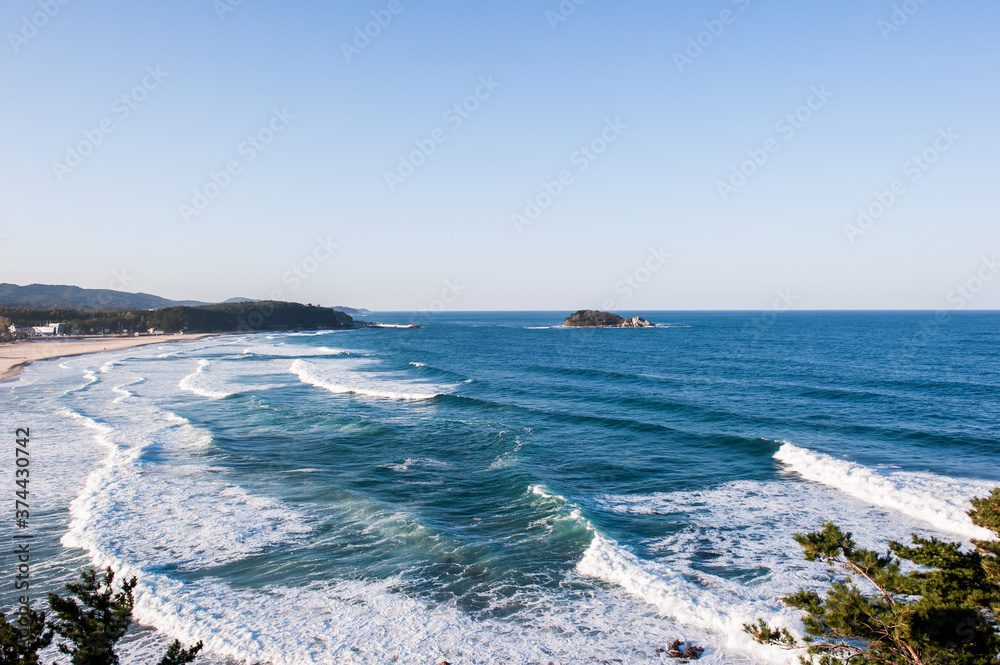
589, 318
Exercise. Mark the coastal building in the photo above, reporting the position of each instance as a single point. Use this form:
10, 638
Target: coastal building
49, 329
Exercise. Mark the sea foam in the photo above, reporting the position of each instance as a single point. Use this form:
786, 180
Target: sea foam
293, 351
940, 501
716, 615
342, 377
198, 383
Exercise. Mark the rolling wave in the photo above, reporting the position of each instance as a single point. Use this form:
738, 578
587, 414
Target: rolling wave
199, 384
719, 616
341, 378
293, 351
940, 501
675, 596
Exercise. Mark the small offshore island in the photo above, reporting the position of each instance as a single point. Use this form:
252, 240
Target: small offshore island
589, 318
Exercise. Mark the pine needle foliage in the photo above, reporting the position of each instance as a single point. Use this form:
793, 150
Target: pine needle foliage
943, 612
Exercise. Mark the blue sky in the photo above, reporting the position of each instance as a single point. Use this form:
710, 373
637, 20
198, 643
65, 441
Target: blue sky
656, 220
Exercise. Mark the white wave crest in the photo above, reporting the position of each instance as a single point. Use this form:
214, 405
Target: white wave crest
197, 383
341, 378
150, 514
425, 462
940, 501
673, 595
293, 351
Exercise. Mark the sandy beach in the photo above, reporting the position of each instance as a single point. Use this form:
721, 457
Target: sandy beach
17, 356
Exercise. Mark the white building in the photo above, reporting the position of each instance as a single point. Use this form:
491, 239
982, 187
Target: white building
49, 329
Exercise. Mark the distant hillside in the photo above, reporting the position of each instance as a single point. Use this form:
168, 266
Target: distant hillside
46, 296
232, 317
62, 297
352, 311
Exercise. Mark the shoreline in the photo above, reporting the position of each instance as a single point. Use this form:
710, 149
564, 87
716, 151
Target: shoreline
14, 357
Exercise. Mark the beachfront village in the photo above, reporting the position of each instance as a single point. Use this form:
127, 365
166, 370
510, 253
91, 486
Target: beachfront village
11, 332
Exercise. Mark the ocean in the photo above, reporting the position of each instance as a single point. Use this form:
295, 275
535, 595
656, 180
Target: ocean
493, 488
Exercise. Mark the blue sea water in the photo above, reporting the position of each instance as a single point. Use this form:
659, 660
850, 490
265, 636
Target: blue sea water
493, 488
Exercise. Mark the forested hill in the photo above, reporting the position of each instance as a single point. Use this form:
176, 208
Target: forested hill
225, 317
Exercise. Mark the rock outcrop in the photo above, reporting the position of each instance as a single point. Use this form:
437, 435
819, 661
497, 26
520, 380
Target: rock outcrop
636, 322
588, 318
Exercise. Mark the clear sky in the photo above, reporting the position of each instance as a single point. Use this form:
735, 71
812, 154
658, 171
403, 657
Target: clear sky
115, 115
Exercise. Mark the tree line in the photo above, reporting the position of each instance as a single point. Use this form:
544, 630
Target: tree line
226, 317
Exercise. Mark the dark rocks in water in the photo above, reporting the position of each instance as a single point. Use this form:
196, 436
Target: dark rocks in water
588, 318
693, 652
684, 650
